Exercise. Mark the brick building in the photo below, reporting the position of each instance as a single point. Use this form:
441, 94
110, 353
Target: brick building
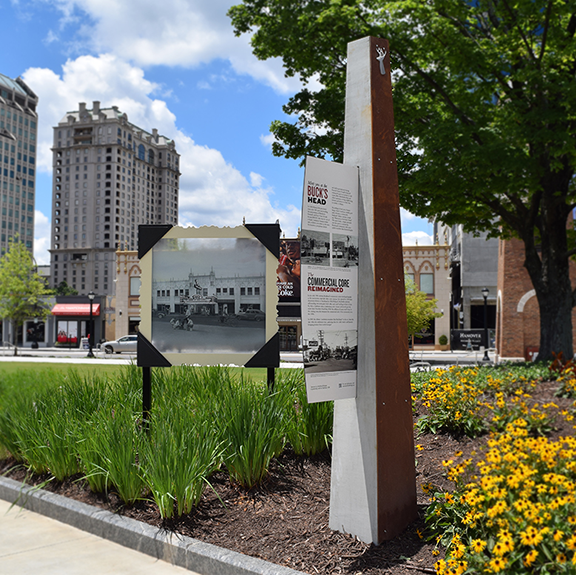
518, 316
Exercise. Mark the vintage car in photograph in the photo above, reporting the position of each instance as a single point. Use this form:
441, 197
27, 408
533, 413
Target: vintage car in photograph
251, 314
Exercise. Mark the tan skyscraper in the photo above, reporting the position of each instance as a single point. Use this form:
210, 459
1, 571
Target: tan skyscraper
109, 177
18, 128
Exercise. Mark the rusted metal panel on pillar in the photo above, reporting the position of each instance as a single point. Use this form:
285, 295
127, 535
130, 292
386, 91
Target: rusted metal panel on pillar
395, 436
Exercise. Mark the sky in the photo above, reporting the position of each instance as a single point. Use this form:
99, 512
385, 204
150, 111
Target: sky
176, 66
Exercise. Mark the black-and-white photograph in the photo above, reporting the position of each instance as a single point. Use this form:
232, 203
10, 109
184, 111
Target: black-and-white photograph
344, 251
331, 351
208, 295
315, 248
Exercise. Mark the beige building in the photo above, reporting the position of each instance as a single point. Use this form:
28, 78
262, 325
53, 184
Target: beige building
109, 176
127, 302
18, 133
429, 269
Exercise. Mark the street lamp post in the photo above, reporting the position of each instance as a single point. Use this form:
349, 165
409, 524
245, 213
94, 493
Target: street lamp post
91, 296
35, 336
485, 292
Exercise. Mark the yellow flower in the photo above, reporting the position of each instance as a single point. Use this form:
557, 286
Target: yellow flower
571, 543
497, 564
419, 447
561, 558
531, 536
477, 545
530, 558
558, 535
440, 567
499, 549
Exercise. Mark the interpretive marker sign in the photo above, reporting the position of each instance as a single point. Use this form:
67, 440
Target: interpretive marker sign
373, 488
209, 296
329, 294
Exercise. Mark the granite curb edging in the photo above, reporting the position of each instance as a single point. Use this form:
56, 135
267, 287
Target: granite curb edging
180, 550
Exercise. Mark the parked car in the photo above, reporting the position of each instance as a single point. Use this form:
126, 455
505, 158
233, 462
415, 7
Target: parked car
126, 343
251, 314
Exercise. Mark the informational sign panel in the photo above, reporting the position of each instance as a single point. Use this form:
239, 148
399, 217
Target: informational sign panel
208, 296
329, 285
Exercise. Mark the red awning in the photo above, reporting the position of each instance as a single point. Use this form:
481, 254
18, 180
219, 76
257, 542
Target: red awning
75, 309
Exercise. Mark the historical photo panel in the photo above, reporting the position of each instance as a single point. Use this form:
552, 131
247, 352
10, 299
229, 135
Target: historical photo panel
208, 295
315, 248
344, 250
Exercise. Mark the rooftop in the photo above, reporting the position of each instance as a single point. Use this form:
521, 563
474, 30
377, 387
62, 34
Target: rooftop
16, 85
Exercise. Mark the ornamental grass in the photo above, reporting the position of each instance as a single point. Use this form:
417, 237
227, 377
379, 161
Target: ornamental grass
202, 420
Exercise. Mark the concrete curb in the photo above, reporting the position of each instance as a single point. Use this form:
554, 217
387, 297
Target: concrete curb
179, 550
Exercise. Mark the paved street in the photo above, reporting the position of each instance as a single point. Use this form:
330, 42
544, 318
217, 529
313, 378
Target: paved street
208, 335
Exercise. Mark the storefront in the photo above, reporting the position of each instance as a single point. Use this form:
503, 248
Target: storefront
72, 320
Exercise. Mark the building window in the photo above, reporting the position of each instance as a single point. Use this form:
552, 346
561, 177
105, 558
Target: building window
242, 291
249, 291
427, 283
135, 286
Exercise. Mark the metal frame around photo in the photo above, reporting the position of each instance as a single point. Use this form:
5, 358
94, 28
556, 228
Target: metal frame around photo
268, 355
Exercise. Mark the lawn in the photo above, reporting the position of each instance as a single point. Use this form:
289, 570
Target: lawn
36, 375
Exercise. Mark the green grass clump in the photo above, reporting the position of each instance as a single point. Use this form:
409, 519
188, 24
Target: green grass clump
202, 419
178, 459
309, 426
253, 426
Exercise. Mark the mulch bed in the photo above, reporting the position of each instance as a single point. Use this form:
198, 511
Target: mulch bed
285, 521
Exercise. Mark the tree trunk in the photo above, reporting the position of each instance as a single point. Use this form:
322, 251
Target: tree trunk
15, 337
548, 265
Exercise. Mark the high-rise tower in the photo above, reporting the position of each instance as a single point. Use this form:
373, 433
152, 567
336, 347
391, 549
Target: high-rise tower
109, 177
18, 126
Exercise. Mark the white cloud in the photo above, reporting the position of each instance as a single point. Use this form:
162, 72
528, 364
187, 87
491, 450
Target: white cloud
41, 238
267, 140
212, 192
417, 238
173, 33
256, 179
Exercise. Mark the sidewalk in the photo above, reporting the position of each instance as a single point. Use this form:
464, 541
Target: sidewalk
53, 535
33, 544
56, 355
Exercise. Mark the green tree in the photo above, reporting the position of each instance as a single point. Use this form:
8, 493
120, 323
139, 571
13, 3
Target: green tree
20, 288
420, 311
64, 289
485, 115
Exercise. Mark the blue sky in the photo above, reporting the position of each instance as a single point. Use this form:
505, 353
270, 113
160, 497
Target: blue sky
174, 65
